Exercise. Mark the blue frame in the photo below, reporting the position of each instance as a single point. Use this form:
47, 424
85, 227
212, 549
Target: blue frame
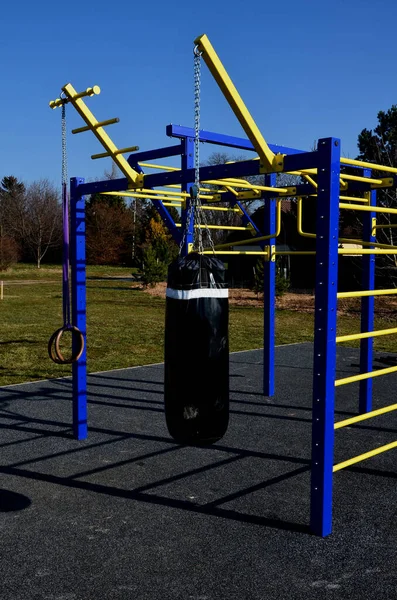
79, 304
324, 360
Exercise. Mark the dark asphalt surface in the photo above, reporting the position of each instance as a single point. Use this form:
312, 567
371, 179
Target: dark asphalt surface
130, 514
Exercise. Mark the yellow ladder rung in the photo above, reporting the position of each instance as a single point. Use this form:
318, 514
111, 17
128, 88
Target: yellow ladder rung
365, 416
363, 376
99, 124
361, 457
363, 336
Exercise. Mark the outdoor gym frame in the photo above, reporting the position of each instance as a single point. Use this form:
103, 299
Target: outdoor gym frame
324, 179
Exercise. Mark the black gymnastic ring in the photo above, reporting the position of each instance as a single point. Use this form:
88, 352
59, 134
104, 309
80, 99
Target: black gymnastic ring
53, 345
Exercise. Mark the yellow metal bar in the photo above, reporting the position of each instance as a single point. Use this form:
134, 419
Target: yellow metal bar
366, 179
361, 163
120, 151
363, 376
221, 208
379, 209
266, 254
365, 251
148, 192
367, 334
135, 179
361, 457
161, 167
365, 293
386, 226
140, 196
352, 199
223, 227
365, 416
295, 252
253, 240
99, 124
269, 160
91, 91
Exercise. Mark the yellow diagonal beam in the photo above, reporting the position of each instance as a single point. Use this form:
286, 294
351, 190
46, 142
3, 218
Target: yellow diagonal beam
135, 179
271, 162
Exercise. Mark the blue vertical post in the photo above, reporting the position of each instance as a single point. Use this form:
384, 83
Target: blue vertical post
269, 293
187, 162
324, 360
367, 307
78, 278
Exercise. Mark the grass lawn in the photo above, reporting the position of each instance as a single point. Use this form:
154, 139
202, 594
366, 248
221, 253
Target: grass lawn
125, 325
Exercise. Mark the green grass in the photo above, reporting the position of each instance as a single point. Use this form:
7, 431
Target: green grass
125, 325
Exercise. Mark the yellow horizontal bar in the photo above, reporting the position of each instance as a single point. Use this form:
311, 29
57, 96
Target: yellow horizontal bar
359, 251
148, 191
386, 226
378, 209
365, 416
91, 91
365, 335
161, 167
361, 457
99, 124
177, 205
366, 293
361, 163
363, 376
352, 199
235, 252
223, 227
119, 151
222, 208
294, 252
359, 178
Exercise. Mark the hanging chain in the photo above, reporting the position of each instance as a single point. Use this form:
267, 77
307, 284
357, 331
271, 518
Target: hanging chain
199, 213
64, 150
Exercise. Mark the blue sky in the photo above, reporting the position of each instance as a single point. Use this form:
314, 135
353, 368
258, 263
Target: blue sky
305, 69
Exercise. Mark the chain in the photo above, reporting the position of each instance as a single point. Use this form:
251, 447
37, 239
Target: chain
64, 150
199, 213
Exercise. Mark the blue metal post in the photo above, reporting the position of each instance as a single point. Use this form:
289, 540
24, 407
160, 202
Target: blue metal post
187, 162
367, 308
78, 278
327, 221
269, 293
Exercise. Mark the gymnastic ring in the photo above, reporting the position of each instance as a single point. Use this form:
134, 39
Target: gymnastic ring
51, 351
54, 342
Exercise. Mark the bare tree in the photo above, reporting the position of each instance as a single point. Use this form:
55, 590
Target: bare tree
43, 219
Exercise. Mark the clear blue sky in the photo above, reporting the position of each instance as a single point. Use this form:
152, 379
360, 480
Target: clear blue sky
305, 69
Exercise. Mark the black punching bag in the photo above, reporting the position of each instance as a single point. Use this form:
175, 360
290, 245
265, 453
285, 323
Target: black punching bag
196, 362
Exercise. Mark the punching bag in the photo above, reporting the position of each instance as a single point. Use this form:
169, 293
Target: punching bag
196, 361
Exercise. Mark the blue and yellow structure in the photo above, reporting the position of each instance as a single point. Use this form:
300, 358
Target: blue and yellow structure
324, 177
